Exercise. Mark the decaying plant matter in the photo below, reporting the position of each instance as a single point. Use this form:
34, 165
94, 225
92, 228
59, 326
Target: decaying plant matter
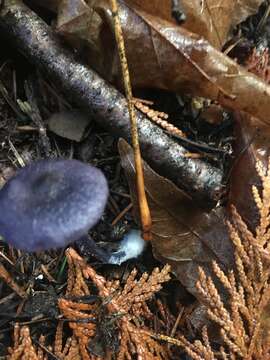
37, 41
24, 348
22, 345
113, 320
243, 321
173, 58
108, 319
184, 235
122, 310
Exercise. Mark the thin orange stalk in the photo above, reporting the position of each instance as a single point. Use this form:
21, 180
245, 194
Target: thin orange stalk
145, 216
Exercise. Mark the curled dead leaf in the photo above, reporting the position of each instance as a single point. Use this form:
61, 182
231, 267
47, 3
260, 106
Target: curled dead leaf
212, 19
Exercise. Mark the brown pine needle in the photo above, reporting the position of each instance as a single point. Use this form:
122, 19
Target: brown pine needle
146, 221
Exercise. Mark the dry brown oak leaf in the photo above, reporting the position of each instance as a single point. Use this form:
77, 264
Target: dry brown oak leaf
212, 19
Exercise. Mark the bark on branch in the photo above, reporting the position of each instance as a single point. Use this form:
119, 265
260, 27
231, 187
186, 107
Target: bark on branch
108, 107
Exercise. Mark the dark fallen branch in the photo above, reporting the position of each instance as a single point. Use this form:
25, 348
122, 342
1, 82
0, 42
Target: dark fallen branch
36, 40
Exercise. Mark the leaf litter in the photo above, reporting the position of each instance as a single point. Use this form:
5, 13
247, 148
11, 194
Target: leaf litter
184, 234
187, 235
163, 54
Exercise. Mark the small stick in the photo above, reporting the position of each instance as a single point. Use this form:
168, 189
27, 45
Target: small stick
121, 214
47, 274
6, 258
179, 316
4, 274
145, 216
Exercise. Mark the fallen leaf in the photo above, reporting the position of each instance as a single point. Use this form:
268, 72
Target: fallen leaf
212, 19
73, 13
164, 55
69, 124
158, 8
243, 9
184, 235
252, 145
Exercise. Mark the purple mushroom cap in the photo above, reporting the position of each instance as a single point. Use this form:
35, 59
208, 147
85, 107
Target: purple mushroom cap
51, 203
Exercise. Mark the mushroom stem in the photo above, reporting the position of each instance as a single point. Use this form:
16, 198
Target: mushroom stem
145, 216
36, 40
88, 246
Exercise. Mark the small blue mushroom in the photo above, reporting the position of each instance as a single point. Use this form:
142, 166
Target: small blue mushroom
51, 203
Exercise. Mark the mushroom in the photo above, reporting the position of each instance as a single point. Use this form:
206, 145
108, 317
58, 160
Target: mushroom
131, 246
51, 203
